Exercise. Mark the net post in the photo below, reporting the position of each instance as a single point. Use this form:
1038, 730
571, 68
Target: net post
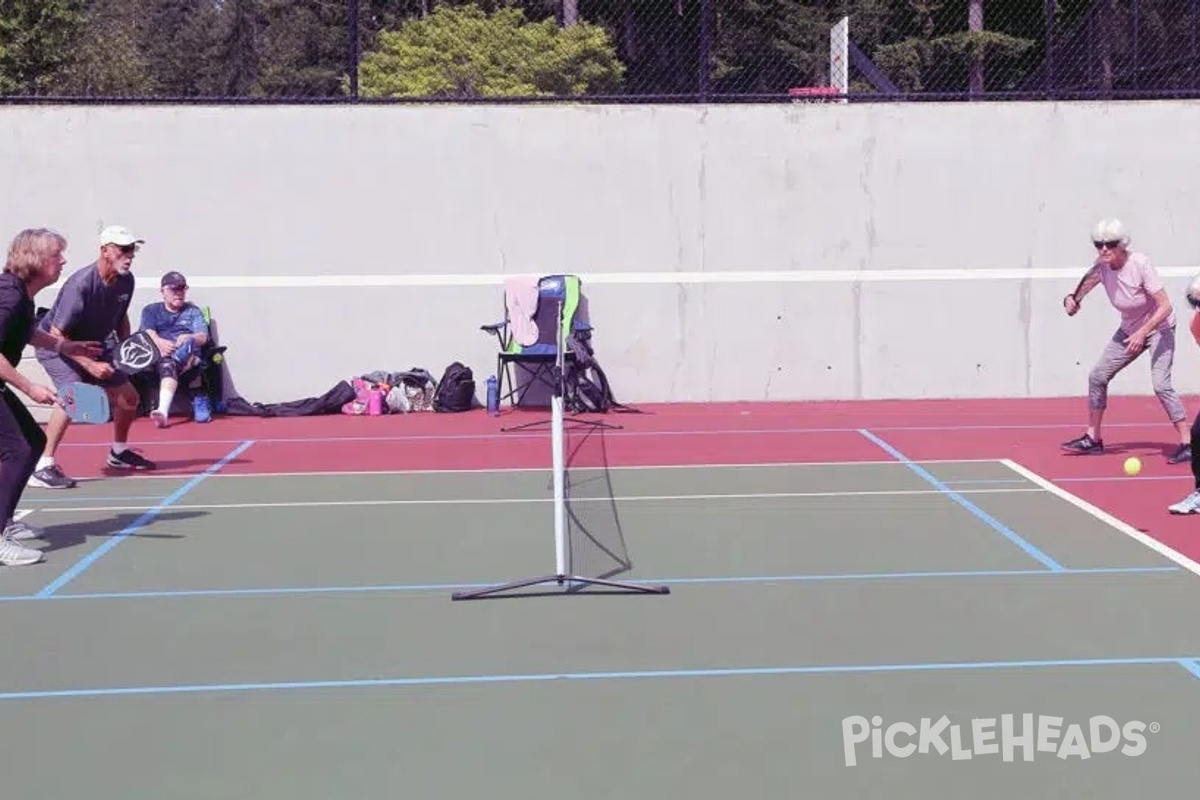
557, 450
839, 57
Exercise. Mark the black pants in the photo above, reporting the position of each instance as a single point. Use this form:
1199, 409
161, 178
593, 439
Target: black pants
1196, 450
22, 443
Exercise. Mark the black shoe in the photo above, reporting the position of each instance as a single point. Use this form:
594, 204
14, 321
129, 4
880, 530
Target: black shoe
127, 459
1184, 453
1084, 445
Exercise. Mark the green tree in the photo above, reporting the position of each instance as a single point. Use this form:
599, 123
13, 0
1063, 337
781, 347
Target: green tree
105, 58
465, 52
238, 52
35, 37
306, 47
179, 42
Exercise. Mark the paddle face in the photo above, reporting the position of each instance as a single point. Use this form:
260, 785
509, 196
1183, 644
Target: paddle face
135, 354
84, 403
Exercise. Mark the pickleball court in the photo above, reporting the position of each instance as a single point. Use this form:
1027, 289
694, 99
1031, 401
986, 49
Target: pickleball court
271, 614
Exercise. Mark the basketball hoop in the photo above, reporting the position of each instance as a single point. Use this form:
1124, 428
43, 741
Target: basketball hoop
814, 94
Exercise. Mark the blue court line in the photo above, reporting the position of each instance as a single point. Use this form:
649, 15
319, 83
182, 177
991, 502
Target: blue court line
452, 587
996, 525
145, 519
1192, 667
443, 680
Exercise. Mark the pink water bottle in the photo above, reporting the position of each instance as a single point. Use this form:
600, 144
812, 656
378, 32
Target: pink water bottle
375, 403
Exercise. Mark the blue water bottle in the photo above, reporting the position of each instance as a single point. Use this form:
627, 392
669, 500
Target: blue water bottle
493, 396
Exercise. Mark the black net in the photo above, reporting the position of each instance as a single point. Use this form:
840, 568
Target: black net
594, 533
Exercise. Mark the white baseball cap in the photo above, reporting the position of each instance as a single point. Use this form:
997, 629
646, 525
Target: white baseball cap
119, 235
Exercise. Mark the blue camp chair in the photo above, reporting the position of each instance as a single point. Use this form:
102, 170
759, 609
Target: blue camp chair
538, 358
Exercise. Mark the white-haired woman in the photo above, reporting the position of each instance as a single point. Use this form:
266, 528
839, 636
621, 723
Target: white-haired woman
1147, 323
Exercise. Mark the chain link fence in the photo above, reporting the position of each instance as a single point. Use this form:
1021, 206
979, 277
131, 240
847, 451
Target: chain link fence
599, 50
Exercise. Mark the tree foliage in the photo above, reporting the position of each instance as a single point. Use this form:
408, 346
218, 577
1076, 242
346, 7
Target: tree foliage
35, 37
459, 48
462, 51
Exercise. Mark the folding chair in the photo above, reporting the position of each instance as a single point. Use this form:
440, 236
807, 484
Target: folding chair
529, 337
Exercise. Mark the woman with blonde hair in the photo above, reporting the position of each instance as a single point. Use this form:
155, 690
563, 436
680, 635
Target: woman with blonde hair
35, 261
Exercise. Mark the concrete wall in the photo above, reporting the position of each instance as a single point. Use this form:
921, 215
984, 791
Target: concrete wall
803, 251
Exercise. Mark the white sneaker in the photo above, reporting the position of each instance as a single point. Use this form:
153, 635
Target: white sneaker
1188, 505
14, 555
19, 531
159, 417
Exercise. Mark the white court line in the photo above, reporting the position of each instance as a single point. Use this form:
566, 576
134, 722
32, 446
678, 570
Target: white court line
1105, 517
143, 476
479, 501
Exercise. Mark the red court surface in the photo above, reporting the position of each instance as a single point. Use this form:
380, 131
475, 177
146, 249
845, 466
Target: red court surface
1025, 431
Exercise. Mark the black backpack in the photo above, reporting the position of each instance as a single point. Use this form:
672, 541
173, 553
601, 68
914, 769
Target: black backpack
586, 388
456, 390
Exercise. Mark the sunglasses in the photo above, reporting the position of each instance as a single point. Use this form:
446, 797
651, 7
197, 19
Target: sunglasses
1112, 245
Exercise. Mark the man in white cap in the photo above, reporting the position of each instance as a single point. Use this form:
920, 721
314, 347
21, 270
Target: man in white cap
93, 305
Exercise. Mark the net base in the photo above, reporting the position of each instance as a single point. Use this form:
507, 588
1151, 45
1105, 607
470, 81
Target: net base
570, 584
577, 421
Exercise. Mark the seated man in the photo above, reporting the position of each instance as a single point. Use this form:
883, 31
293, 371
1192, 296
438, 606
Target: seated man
179, 330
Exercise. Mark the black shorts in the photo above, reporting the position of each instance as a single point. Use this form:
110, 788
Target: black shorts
63, 370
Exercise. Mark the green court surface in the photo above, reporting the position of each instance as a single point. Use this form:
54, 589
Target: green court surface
294, 636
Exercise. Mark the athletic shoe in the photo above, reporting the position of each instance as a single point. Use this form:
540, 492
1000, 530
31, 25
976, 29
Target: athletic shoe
1188, 505
1184, 453
19, 531
1084, 445
159, 417
127, 459
201, 408
14, 555
51, 477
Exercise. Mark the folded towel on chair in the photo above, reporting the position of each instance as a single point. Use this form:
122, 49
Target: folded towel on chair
521, 300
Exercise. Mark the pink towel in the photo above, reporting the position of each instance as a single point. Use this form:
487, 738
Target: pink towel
521, 299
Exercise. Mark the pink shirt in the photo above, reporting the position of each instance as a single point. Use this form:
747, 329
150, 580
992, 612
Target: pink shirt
1130, 290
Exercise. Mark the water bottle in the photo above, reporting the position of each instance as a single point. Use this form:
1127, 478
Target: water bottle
493, 396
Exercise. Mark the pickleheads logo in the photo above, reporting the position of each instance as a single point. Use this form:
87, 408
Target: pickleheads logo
1011, 737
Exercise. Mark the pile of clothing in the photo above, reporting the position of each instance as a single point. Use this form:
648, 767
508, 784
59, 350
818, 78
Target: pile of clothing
391, 393
388, 392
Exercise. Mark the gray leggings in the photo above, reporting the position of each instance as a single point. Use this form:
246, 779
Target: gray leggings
1161, 344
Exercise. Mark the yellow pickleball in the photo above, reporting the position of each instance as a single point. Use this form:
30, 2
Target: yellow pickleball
1133, 465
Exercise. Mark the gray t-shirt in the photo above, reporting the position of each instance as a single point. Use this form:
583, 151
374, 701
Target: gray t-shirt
88, 310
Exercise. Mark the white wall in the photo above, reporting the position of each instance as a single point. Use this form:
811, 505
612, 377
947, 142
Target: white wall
805, 251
